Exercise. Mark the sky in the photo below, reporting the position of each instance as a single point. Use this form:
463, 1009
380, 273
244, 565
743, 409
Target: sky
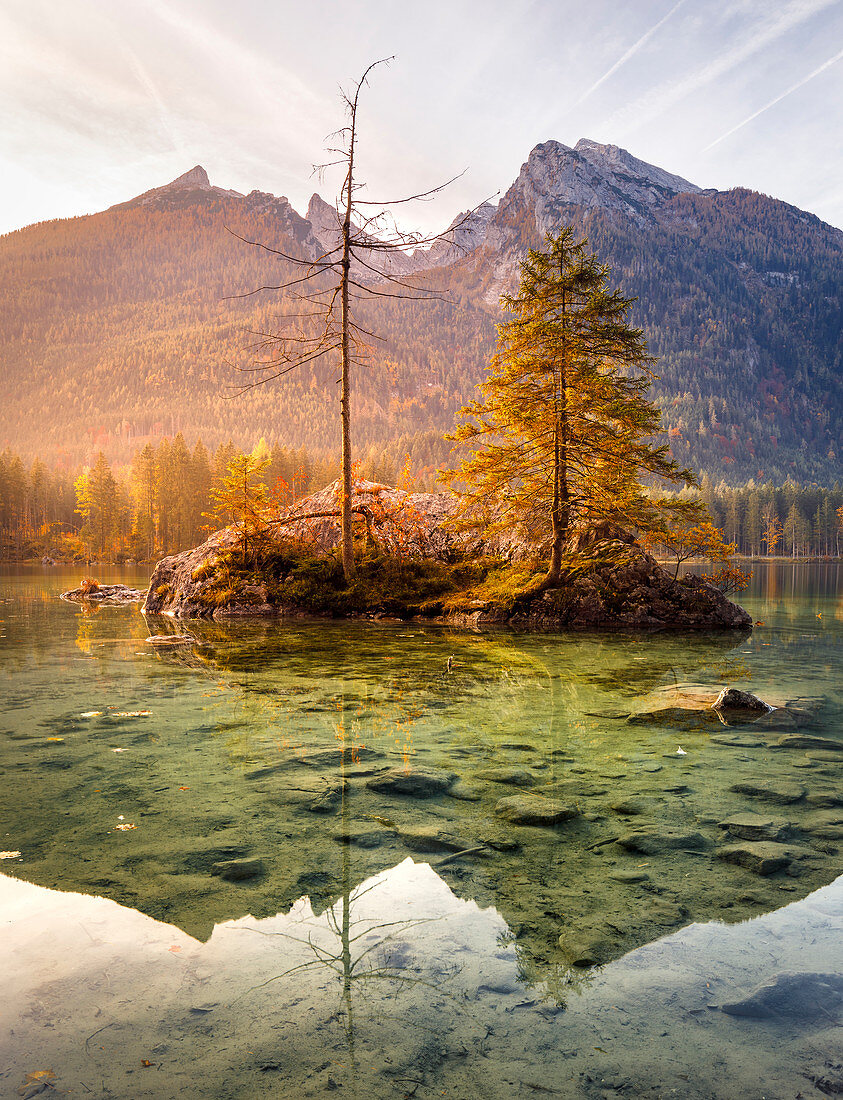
101, 100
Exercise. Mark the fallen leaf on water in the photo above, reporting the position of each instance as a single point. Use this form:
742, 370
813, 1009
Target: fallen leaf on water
91, 714
118, 750
130, 714
41, 1075
145, 1062
55, 739
9, 855
184, 788
123, 828
175, 947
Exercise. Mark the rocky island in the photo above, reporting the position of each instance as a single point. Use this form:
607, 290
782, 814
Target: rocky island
414, 566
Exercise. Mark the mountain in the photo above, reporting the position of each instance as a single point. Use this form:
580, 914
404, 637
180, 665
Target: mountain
131, 323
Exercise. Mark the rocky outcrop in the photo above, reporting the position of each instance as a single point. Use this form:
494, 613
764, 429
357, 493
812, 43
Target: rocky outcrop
633, 592
627, 589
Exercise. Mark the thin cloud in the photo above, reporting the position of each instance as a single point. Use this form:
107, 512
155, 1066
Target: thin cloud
793, 88
631, 52
663, 97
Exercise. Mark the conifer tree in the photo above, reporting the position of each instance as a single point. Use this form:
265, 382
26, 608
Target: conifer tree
561, 438
98, 497
241, 493
144, 490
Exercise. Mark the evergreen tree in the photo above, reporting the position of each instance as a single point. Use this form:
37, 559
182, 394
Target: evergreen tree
98, 502
560, 439
242, 495
144, 491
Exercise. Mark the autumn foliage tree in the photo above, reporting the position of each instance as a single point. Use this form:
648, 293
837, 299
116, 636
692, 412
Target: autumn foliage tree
98, 503
241, 496
561, 438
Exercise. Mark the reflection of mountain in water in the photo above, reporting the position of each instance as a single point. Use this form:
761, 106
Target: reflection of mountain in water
401, 986
261, 774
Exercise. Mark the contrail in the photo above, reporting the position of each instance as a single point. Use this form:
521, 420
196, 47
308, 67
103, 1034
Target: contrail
633, 49
799, 84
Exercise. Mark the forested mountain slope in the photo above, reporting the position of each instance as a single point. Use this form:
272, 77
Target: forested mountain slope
121, 326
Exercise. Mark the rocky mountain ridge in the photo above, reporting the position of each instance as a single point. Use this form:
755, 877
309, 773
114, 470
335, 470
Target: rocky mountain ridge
129, 324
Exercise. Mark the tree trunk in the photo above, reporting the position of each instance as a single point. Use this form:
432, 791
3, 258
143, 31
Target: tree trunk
348, 567
560, 516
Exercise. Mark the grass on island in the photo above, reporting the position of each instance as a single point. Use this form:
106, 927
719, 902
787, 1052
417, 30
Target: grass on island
293, 577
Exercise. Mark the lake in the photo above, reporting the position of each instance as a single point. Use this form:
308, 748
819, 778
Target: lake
391, 860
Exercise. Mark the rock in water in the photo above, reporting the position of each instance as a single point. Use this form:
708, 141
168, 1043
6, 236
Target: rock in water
759, 857
533, 810
792, 997
768, 791
105, 593
735, 699
415, 782
238, 870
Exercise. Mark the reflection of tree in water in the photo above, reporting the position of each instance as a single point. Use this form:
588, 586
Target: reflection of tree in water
361, 951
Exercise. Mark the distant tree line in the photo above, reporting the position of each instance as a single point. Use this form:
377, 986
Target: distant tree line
787, 520
164, 499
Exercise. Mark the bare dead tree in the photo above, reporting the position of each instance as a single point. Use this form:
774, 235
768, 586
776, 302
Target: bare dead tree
357, 268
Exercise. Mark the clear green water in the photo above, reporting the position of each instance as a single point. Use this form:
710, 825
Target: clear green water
387, 944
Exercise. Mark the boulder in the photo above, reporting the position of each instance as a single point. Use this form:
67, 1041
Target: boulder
751, 826
735, 699
433, 838
514, 777
804, 741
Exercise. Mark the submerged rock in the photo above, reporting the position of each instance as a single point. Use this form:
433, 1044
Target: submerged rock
238, 870
525, 809
414, 782
586, 948
770, 791
751, 826
433, 838
735, 699
794, 997
804, 741
825, 824
762, 858
653, 842
514, 777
